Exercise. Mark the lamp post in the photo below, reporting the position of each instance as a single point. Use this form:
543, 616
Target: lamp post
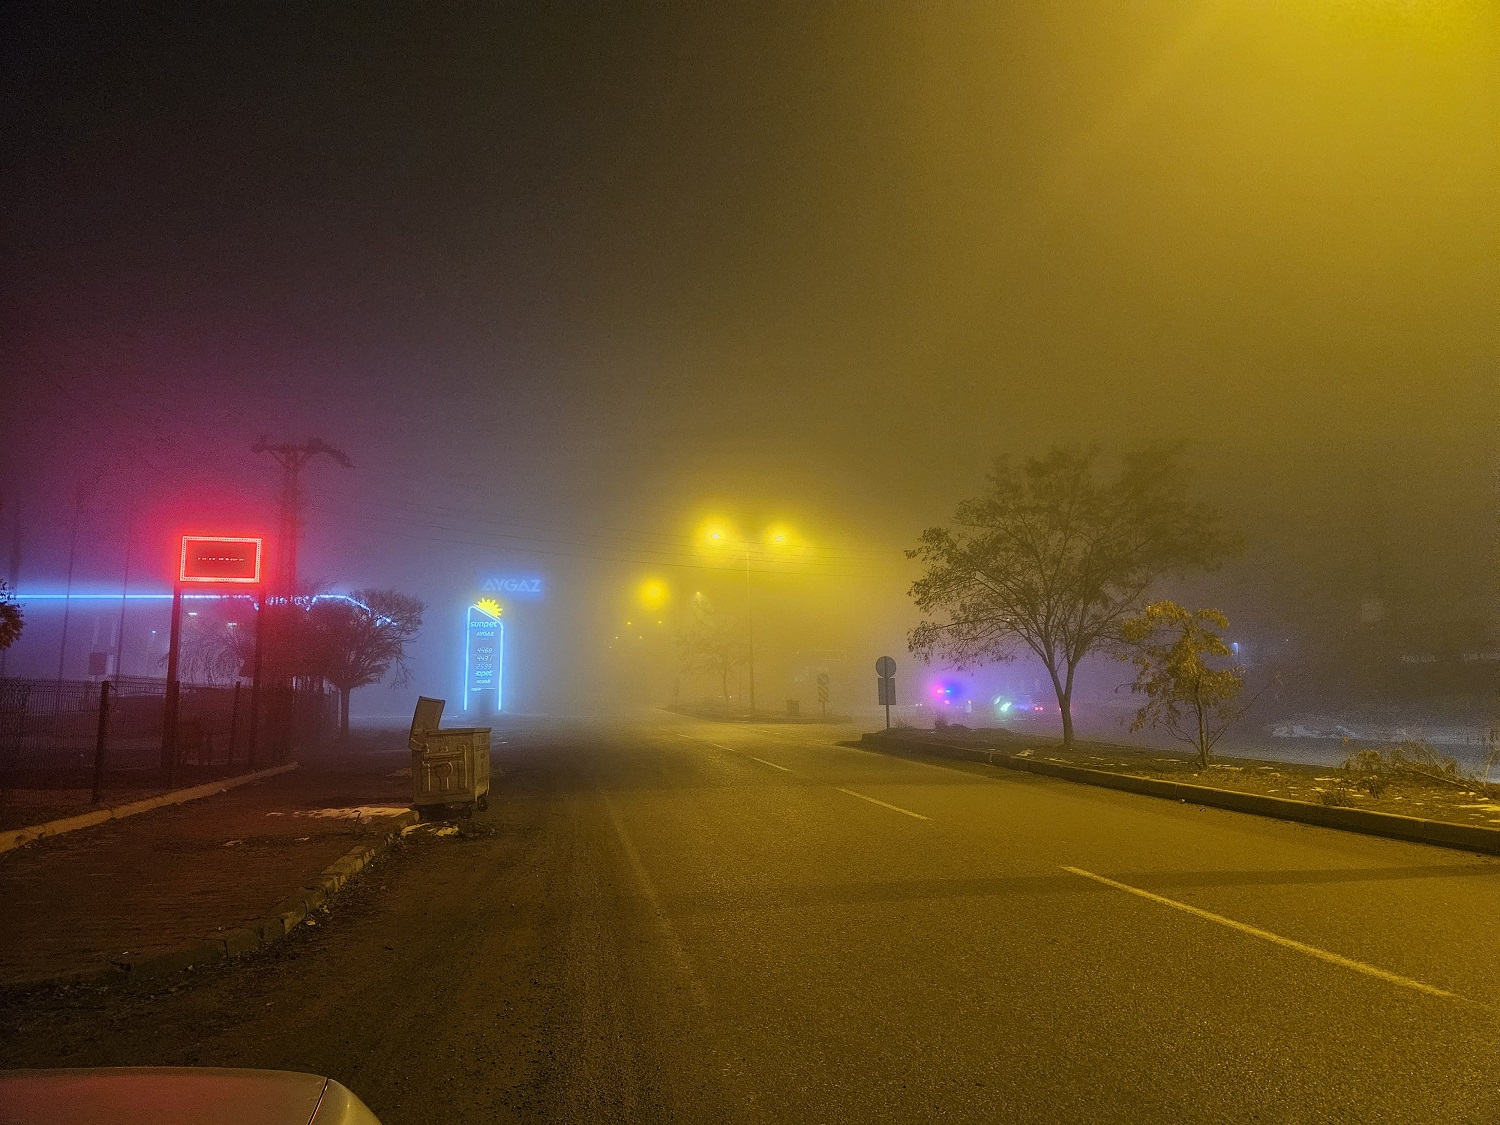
774, 536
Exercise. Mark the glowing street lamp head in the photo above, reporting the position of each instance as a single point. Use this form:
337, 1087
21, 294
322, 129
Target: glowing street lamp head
652, 593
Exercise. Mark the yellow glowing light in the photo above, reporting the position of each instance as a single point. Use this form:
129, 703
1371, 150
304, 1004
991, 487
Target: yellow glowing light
715, 533
780, 536
652, 593
490, 606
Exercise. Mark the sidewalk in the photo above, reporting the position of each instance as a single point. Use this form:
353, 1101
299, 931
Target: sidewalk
125, 890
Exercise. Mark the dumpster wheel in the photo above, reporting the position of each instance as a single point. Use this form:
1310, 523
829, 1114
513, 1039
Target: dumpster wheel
483, 802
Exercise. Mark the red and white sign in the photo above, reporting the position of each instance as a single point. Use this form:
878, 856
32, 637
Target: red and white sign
220, 559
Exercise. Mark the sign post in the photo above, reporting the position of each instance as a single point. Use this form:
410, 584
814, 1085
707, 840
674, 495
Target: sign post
169, 707
885, 668
210, 560
823, 693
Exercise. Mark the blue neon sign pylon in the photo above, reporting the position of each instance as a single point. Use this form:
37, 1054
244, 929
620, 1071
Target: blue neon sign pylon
484, 652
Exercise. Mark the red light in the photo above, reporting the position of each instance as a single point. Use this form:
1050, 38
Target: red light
221, 559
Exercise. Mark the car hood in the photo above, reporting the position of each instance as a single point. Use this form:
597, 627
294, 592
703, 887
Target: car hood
176, 1096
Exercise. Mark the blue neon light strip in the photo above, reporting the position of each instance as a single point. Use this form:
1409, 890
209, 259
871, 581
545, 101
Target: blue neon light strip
380, 619
116, 597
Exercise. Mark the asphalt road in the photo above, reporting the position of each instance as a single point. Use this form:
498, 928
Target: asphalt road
673, 920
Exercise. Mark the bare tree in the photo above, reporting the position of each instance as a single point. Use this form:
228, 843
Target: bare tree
712, 644
1051, 559
355, 641
213, 651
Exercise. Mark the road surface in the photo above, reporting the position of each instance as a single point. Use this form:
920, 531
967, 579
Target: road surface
669, 920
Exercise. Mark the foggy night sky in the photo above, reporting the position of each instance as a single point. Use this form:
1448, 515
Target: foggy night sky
601, 267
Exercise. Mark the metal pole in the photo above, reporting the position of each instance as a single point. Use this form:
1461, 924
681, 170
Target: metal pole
124, 591
234, 724
99, 740
169, 708
887, 716
62, 652
749, 630
255, 667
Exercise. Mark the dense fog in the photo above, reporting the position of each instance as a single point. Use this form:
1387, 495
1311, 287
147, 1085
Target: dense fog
578, 291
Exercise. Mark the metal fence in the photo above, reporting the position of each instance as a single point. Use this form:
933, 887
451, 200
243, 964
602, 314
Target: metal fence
52, 732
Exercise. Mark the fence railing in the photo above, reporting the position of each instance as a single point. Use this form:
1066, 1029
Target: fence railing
52, 732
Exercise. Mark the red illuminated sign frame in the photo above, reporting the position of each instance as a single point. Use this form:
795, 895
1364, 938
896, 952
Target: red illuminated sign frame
220, 559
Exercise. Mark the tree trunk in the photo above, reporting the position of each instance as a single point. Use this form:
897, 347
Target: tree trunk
724, 683
1064, 703
1202, 738
344, 694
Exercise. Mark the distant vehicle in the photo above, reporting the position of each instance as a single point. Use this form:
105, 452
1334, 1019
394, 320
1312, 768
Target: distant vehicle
1022, 707
171, 1095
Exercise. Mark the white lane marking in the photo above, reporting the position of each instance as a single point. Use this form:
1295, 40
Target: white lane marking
882, 804
752, 757
648, 888
1277, 939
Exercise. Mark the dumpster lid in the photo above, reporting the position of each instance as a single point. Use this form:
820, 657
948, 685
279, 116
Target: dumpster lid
427, 717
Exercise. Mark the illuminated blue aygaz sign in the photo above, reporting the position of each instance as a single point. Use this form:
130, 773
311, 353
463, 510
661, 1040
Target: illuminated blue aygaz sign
484, 656
518, 586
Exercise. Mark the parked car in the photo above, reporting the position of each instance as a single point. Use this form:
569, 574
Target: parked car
1022, 707
171, 1095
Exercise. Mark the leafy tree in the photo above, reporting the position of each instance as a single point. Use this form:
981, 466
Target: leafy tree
355, 642
12, 620
1180, 658
1050, 558
712, 644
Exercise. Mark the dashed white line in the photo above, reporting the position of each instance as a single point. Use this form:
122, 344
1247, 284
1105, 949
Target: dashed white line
763, 762
1276, 939
882, 804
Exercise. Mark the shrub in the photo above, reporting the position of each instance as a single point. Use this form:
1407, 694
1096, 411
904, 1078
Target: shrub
1338, 797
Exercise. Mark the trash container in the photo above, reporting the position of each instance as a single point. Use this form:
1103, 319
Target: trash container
449, 768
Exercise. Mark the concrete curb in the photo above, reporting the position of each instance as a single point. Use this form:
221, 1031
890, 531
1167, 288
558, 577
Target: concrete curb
1464, 837
155, 969
19, 837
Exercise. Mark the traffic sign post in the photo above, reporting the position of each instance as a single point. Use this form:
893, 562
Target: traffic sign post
823, 693
885, 669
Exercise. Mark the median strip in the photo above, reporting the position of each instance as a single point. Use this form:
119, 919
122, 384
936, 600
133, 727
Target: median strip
882, 804
1275, 939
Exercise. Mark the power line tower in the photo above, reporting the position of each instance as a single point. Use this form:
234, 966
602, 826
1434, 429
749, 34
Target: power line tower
292, 458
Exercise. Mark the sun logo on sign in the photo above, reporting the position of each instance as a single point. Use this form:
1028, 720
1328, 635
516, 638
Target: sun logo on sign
489, 605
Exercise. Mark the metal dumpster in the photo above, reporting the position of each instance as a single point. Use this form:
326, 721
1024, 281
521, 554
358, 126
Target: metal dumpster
449, 768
